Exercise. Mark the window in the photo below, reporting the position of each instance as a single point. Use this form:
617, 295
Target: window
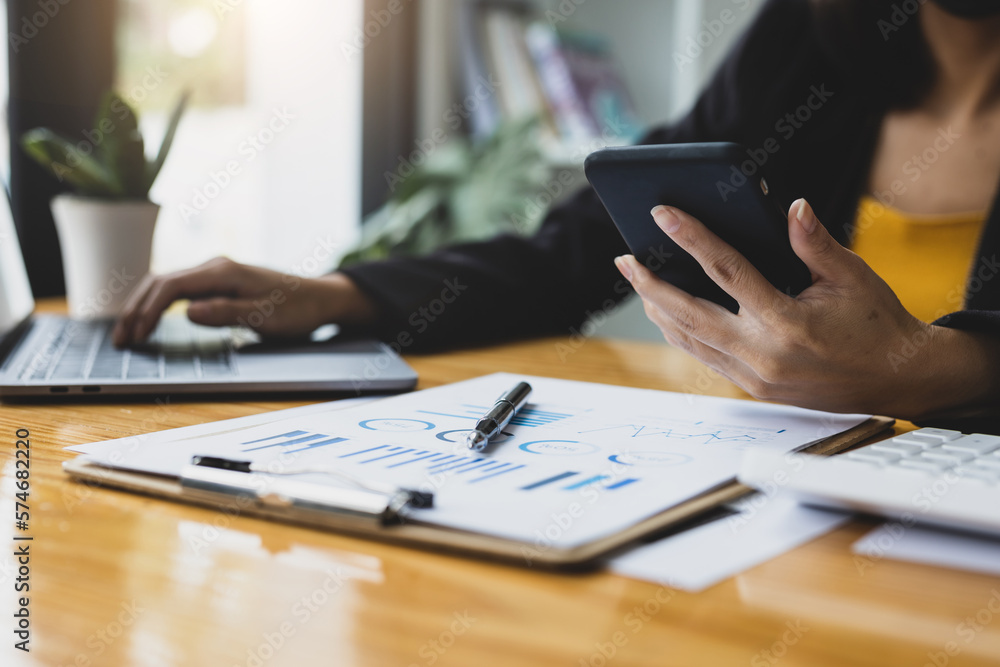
266, 165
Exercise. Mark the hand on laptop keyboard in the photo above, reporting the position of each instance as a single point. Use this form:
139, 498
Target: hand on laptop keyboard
225, 293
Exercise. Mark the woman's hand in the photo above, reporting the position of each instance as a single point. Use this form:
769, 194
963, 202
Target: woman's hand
225, 293
845, 344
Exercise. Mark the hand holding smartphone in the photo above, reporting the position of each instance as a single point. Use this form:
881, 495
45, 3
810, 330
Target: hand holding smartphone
702, 180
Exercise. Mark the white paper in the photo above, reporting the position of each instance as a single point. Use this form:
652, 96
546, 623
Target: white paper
703, 556
919, 544
581, 461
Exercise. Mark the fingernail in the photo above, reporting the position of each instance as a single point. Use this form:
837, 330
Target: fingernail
805, 216
623, 266
666, 218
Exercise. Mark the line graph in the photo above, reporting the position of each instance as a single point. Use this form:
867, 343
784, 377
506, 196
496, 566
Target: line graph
708, 434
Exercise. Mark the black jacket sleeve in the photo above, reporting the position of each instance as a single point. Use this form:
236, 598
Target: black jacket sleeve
511, 287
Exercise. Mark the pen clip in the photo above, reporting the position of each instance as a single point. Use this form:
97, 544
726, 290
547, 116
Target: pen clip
381, 503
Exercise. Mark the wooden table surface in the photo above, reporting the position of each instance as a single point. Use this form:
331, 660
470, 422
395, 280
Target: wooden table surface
121, 579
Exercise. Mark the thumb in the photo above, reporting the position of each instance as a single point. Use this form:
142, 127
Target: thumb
812, 243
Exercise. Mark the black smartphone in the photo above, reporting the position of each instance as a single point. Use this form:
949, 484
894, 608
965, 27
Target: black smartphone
721, 184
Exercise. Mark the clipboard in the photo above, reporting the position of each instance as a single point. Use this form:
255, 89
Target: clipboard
386, 517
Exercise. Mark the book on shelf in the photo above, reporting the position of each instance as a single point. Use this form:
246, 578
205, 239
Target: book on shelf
570, 80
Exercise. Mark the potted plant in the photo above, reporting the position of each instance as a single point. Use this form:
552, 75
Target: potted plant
106, 226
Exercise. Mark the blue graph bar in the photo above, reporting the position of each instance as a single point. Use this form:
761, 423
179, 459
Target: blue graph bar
496, 472
419, 458
295, 440
290, 434
447, 465
389, 456
363, 451
586, 482
618, 485
470, 465
550, 480
476, 468
313, 445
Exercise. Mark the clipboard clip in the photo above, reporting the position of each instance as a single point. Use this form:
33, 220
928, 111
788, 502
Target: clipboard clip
380, 503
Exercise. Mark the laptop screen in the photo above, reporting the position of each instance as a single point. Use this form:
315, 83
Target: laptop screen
16, 302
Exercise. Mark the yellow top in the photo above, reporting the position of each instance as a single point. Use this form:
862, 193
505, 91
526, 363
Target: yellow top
925, 259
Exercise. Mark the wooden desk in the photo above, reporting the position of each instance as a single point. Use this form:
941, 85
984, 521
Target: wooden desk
119, 579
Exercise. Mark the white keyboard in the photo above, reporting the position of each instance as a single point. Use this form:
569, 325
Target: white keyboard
932, 476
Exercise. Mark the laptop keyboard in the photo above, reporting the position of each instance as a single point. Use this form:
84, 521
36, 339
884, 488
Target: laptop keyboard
178, 350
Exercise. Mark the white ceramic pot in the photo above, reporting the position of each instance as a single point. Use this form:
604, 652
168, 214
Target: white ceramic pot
105, 249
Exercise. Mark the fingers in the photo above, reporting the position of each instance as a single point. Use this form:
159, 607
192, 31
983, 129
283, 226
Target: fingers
729, 269
221, 312
726, 365
224, 312
811, 241
155, 294
121, 334
702, 320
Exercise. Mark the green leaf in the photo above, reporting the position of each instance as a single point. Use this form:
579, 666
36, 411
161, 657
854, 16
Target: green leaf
121, 146
463, 193
153, 169
65, 161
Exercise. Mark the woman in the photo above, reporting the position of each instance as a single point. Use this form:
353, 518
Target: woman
886, 122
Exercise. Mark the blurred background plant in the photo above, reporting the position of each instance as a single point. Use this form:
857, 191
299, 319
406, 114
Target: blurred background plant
111, 162
463, 192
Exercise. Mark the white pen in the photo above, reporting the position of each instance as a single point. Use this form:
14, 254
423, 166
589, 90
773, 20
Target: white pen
499, 416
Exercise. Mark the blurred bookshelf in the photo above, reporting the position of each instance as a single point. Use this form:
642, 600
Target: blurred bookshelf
597, 73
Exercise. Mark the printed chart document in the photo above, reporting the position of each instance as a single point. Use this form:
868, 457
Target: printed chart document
579, 463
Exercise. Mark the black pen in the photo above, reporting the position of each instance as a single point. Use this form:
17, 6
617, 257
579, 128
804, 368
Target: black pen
499, 416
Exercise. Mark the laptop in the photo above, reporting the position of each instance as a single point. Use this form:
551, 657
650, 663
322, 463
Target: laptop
52, 356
